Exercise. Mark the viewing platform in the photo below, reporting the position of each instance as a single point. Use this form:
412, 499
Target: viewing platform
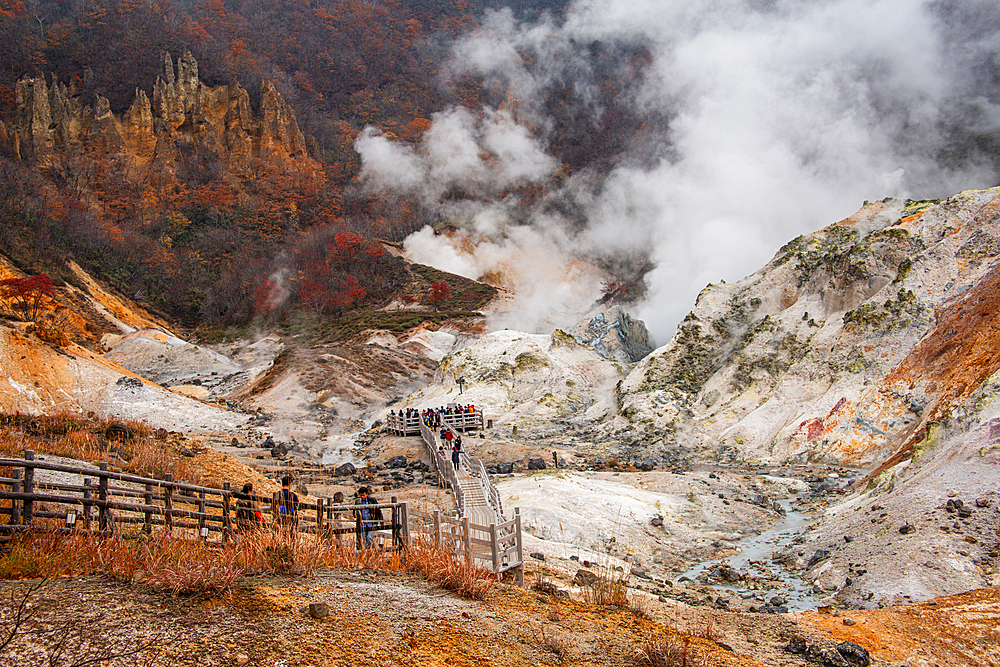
403, 424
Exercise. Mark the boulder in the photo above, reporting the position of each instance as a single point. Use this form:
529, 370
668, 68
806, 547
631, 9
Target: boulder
505, 468
536, 464
396, 462
585, 578
345, 470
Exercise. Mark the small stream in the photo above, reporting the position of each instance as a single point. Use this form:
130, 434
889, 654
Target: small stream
754, 559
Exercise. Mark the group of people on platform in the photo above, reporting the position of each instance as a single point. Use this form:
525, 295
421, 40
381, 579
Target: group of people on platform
432, 416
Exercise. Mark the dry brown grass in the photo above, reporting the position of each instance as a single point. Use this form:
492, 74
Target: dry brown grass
87, 439
175, 564
669, 650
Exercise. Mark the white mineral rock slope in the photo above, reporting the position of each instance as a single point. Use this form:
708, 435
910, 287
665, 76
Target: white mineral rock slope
817, 356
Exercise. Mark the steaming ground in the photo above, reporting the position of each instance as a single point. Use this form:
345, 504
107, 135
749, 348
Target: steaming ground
757, 122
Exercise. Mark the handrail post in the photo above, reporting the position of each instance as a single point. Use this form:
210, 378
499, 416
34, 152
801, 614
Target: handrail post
517, 541
102, 496
493, 549
147, 515
168, 501
15, 506
227, 524
28, 505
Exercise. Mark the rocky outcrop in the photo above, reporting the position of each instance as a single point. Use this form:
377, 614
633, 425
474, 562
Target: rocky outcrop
845, 347
615, 335
183, 112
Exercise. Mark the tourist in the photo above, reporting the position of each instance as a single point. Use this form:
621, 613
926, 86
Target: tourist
368, 516
288, 502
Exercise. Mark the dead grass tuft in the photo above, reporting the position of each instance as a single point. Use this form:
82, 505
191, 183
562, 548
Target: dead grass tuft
669, 650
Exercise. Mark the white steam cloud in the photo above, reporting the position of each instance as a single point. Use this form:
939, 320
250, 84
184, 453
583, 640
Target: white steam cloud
782, 116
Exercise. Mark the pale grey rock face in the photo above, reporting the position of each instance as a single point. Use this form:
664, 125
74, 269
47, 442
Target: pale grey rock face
614, 334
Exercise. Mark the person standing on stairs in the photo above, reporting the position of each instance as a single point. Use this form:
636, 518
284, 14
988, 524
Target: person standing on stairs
456, 453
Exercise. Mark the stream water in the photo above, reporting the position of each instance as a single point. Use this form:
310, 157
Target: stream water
754, 559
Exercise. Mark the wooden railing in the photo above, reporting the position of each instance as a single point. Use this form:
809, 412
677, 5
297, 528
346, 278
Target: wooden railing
501, 552
107, 501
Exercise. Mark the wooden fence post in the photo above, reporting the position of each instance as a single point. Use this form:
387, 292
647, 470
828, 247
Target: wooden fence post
319, 516
88, 495
274, 508
28, 505
147, 516
357, 527
394, 522
102, 496
168, 501
467, 535
404, 520
15, 506
437, 528
202, 533
227, 524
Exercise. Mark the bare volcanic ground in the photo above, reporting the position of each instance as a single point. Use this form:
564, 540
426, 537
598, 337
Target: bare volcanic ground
381, 620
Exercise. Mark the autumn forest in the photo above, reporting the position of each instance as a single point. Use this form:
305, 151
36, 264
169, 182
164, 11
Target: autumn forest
199, 225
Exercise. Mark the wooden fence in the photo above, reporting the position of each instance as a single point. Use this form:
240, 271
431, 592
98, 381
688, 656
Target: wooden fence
104, 501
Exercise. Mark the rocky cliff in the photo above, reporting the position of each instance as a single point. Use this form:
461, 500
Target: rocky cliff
182, 113
845, 347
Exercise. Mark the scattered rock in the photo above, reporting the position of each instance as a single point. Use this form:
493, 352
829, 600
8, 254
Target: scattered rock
656, 521
585, 578
537, 555
345, 470
536, 464
855, 655
396, 462
126, 382
817, 557
505, 468
319, 609
187, 451
907, 528
647, 465
982, 502
639, 572
848, 621
242, 659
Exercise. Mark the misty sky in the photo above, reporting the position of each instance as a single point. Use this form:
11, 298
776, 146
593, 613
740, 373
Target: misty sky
775, 119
